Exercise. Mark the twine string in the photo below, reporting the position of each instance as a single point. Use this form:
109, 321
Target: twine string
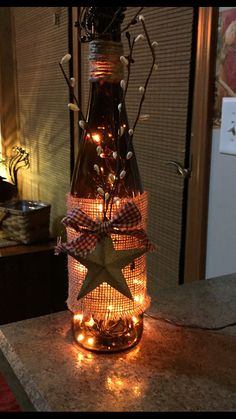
104, 61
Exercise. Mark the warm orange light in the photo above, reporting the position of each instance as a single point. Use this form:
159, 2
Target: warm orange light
90, 322
80, 337
80, 356
96, 138
137, 281
119, 383
3, 171
78, 317
90, 341
104, 302
137, 390
138, 298
80, 268
135, 320
116, 384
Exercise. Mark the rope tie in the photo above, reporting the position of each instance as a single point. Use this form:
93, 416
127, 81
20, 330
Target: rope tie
104, 61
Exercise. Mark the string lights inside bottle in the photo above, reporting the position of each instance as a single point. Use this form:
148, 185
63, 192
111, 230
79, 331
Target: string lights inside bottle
107, 207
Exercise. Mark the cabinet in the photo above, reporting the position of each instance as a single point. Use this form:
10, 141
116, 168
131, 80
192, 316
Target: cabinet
33, 281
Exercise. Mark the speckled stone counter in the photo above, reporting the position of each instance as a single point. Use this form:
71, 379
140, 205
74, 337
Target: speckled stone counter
172, 369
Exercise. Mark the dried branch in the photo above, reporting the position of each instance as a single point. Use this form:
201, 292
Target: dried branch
132, 20
108, 190
149, 74
72, 91
131, 48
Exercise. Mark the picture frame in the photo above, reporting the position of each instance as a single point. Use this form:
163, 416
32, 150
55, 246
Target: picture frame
225, 77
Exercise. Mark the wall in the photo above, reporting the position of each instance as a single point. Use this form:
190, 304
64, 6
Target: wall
221, 236
44, 125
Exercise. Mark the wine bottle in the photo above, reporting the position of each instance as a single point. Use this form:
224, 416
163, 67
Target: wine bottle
104, 118
105, 177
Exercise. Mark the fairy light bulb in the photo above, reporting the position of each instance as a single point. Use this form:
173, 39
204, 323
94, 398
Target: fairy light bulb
80, 337
78, 317
135, 320
90, 322
91, 341
96, 138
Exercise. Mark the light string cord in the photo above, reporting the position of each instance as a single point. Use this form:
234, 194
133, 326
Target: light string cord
188, 325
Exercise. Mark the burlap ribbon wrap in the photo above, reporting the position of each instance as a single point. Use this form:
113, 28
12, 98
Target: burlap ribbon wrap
91, 231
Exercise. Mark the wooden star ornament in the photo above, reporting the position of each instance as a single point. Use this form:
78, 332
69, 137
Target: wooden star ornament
105, 264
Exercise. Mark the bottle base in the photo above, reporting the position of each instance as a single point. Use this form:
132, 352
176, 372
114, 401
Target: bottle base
107, 335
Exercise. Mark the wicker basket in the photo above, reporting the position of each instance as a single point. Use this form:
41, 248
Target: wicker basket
25, 221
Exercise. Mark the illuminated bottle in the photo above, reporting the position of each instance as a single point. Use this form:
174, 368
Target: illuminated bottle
106, 175
104, 118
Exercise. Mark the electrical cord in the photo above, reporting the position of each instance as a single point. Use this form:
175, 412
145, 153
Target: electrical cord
192, 326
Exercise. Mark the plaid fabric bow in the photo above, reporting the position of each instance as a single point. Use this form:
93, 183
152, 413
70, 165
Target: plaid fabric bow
128, 216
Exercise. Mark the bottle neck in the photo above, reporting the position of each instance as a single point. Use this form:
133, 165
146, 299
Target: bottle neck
104, 61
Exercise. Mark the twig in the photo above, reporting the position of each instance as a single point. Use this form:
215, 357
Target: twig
133, 19
149, 75
71, 91
119, 160
112, 20
131, 47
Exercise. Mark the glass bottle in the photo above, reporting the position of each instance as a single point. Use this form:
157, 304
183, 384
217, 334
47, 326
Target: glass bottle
102, 138
104, 119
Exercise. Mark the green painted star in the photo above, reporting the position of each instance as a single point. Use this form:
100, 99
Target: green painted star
104, 264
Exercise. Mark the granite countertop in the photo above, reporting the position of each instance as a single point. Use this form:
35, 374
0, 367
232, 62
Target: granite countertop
172, 368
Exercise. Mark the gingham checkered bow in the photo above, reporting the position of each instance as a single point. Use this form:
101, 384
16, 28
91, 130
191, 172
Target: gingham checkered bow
128, 216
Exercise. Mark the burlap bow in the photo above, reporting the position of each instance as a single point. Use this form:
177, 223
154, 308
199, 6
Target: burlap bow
92, 231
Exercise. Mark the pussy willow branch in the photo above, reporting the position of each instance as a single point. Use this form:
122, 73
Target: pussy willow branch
72, 91
133, 19
149, 75
83, 118
115, 185
112, 20
131, 47
105, 203
117, 180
